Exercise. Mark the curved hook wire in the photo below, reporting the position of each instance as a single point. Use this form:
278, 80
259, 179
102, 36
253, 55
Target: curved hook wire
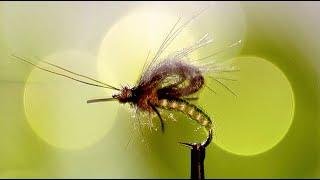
204, 144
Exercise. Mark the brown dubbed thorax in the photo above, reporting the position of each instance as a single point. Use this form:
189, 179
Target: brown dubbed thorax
150, 89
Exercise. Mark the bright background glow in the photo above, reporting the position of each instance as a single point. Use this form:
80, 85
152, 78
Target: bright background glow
249, 124
57, 111
107, 40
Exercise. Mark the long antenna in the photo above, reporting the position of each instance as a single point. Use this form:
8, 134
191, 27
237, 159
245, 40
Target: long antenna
77, 74
47, 70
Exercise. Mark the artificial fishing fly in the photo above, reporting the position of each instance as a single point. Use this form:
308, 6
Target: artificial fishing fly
163, 84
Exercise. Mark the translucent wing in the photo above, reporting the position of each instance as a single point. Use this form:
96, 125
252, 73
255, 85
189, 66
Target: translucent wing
206, 39
172, 60
170, 71
173, 33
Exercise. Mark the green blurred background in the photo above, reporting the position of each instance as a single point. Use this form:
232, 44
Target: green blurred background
269, 130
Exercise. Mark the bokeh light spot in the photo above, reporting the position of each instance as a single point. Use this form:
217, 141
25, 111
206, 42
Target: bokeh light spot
56, 107
261, 114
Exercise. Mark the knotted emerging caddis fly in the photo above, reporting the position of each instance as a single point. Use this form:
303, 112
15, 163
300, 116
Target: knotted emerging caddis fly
168, 83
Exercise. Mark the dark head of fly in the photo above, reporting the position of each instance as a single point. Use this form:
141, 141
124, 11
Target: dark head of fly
124, 96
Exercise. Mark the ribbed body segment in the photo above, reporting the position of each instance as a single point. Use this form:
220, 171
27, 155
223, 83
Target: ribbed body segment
189, 109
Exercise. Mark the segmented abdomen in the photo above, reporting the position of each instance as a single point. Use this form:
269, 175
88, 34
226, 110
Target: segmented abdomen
189, 109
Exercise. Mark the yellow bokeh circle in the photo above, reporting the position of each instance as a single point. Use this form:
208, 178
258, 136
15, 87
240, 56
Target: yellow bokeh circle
56, 107
259, 116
